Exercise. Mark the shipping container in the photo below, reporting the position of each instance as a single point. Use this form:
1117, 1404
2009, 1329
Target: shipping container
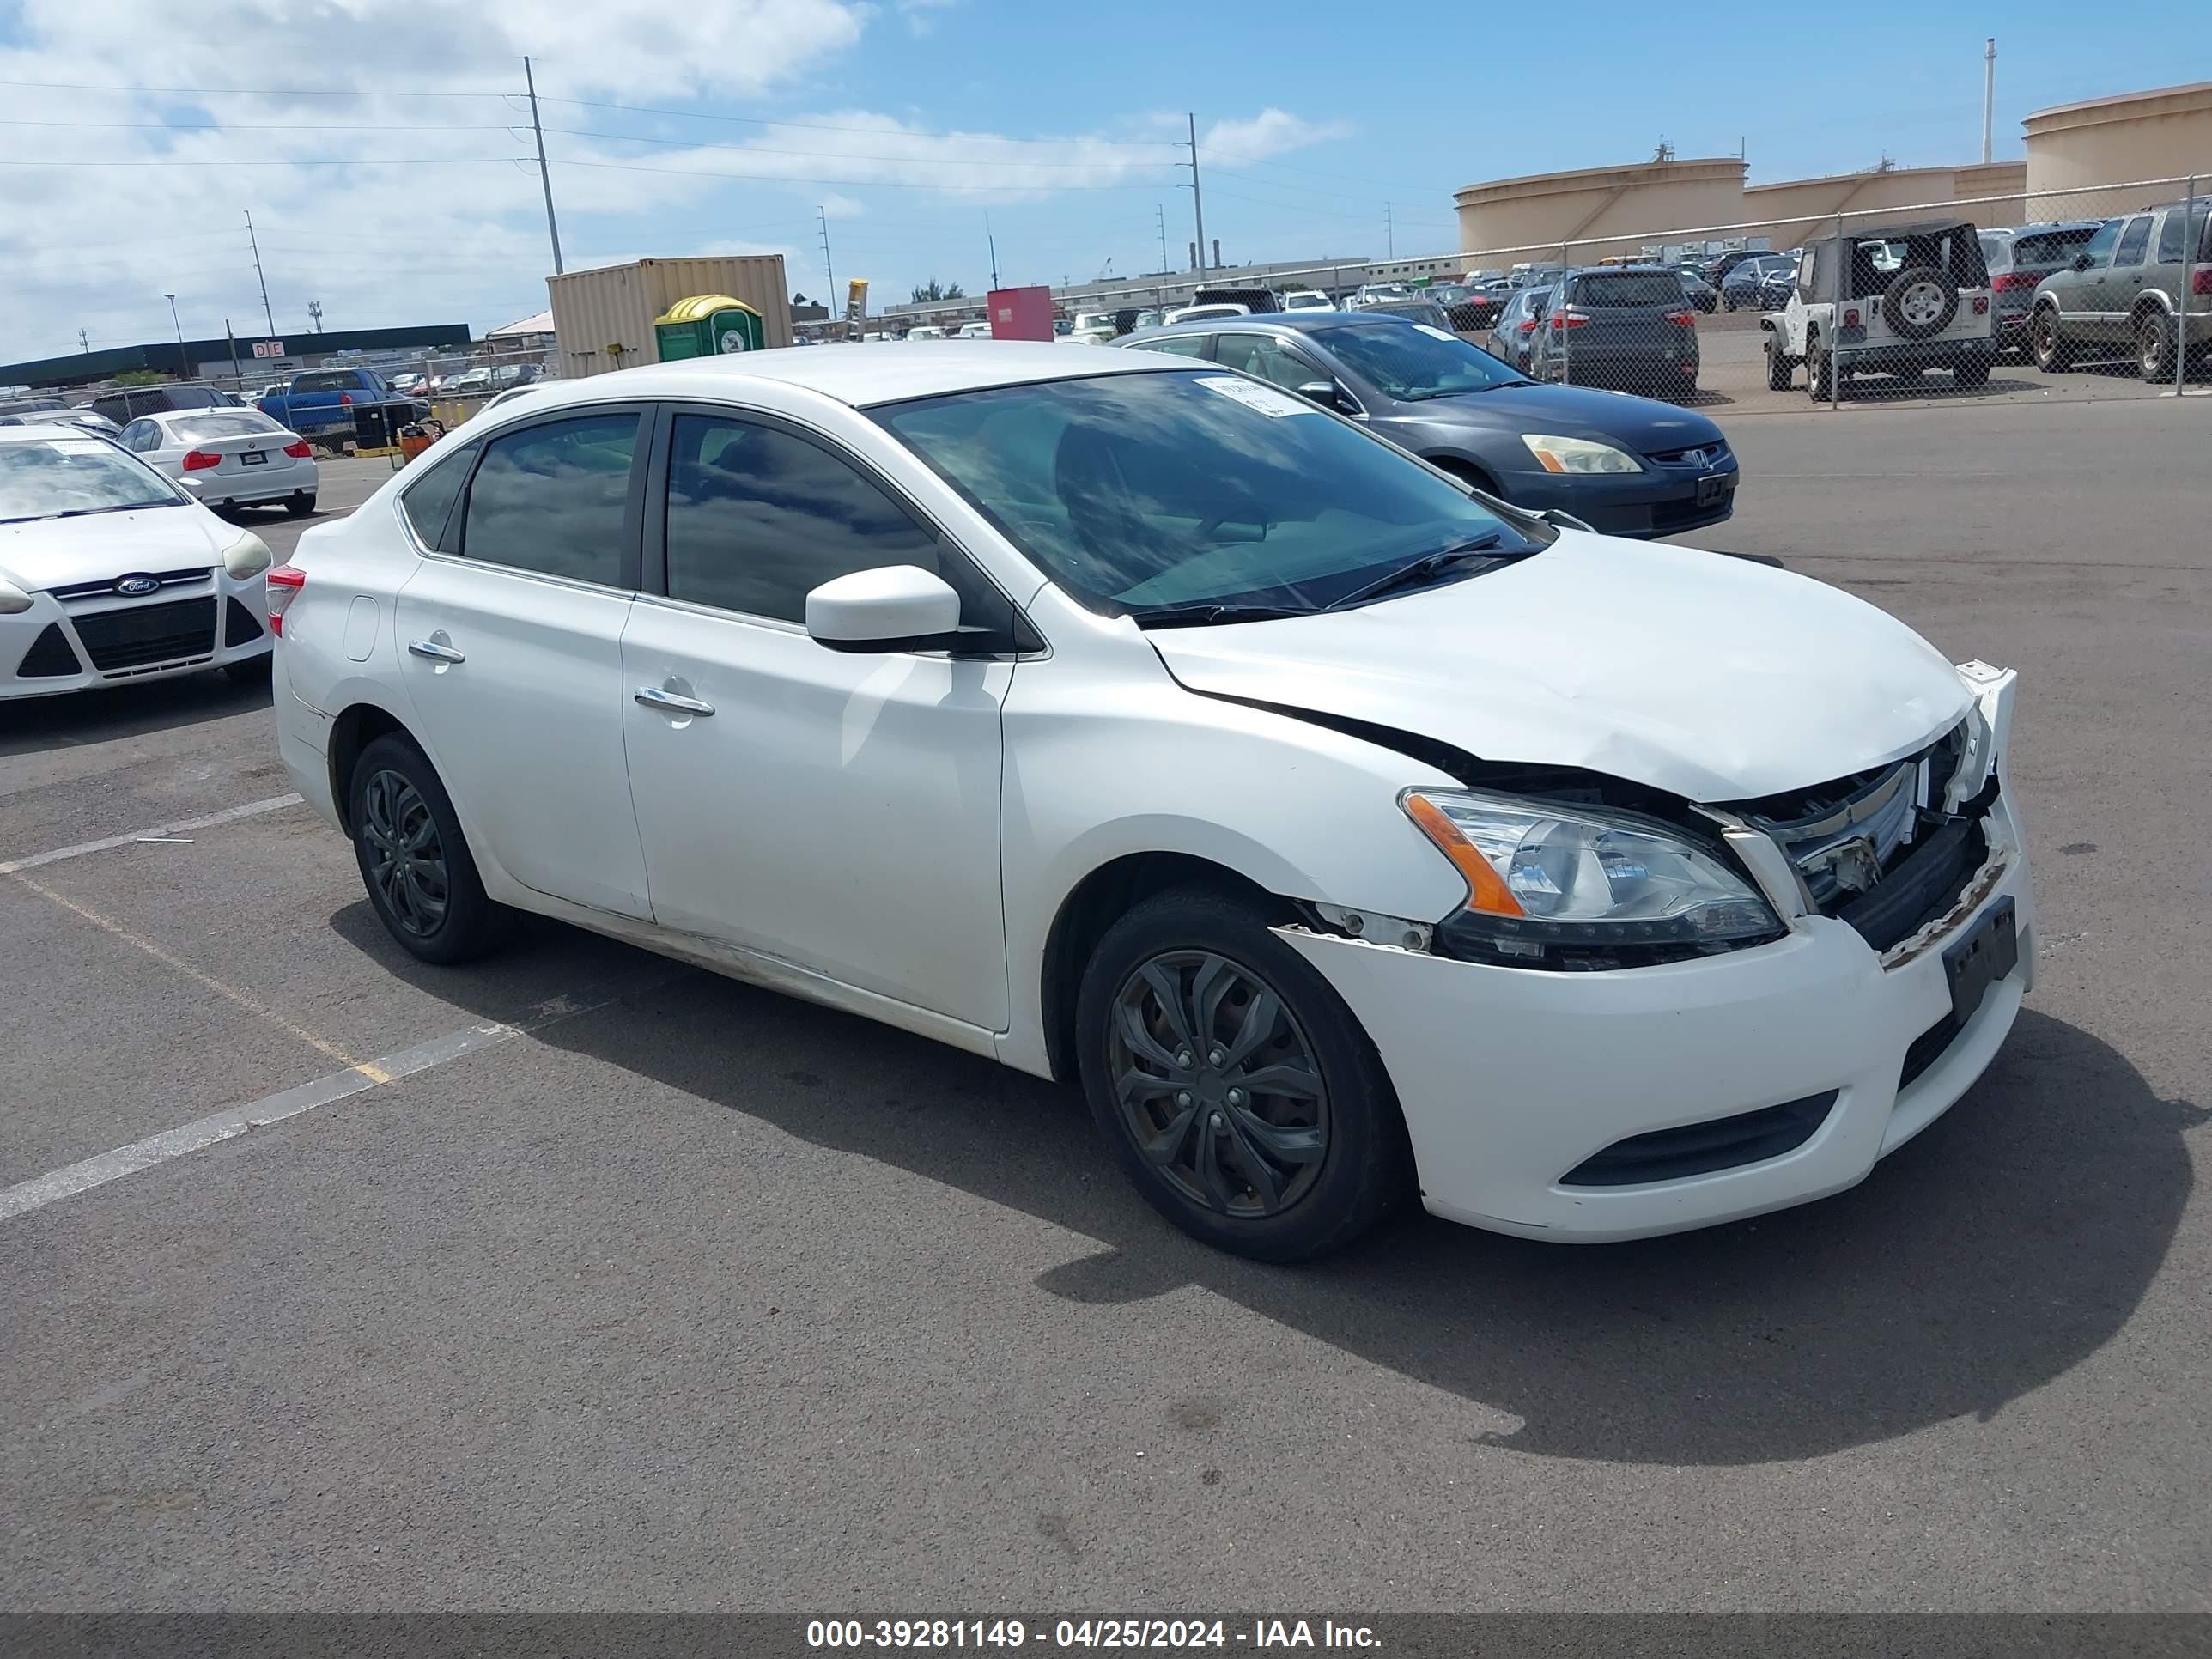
604, 318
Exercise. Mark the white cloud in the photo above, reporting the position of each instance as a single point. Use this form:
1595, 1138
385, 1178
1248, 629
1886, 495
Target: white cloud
921, 15
1270, 132
394, 209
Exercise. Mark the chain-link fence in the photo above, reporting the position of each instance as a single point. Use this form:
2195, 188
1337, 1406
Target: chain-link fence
2097, 292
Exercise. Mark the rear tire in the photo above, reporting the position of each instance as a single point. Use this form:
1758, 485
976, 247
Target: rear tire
302, 504
2154, 348
2048, 343
1175, 990
415, 862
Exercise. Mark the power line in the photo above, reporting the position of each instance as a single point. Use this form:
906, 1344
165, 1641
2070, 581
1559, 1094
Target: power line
303, 162
868, 184
263, 126
877, 132
246, 92
847, 155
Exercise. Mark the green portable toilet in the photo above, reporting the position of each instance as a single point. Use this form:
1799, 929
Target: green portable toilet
706, 324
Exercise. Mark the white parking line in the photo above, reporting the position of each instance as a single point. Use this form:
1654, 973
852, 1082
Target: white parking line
40, 1191
229, 815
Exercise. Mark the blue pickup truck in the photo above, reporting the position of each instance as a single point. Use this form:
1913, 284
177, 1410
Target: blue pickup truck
324, 401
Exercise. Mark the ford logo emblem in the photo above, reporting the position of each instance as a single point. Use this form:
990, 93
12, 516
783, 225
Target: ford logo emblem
132, 587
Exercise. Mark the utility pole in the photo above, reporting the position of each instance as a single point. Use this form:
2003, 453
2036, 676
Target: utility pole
993, 241
1160, 218
237, 373
315, 315
544, 173
1390, 234
836, 305
266, 312
84, 339
1197, 208
184, 369
1989, 95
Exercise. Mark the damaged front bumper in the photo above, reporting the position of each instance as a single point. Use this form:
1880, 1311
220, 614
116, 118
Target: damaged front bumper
1591, 1106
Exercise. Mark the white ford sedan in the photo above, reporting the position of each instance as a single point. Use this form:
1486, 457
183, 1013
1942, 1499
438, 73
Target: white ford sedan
1346, 834
110, 572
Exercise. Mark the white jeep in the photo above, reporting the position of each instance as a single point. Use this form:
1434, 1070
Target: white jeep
1892, 300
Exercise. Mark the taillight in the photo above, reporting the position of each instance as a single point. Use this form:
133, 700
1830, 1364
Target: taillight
2012, 279
1684, 318
299, 449
2201, 281
285, 581
1851, 317
1981, 305
345, 400
1528, 325
198, 460
1568, 320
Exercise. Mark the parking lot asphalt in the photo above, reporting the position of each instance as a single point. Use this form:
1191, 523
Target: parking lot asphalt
636, 1288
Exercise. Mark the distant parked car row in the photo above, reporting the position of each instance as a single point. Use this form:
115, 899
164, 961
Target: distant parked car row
1628, 326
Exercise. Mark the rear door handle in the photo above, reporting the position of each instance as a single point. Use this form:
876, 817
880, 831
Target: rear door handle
668, 702
434, 652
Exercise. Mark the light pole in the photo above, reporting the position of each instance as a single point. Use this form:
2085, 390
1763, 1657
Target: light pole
183, 368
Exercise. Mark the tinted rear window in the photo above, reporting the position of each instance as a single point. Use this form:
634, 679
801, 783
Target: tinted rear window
1622, 289
2050, 247
208, 428
337, 380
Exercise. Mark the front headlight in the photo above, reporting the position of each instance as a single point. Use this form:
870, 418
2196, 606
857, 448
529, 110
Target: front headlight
246, 557
1540, 874
12, 599
1578, 454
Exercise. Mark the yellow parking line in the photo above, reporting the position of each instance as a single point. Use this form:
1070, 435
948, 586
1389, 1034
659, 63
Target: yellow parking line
230, 993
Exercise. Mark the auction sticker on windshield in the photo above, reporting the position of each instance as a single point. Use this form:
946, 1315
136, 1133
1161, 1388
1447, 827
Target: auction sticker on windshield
1253, 395
1434, 333
79, 446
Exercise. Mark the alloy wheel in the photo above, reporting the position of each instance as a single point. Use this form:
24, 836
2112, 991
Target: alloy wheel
406, 859
1217, 1084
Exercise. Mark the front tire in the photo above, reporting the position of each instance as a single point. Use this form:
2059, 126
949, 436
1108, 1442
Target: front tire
1819, 370
2052, 354
1237, 1091
415, 862
1779, 366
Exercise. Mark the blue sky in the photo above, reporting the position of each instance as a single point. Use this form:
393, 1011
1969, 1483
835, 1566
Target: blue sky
910, 121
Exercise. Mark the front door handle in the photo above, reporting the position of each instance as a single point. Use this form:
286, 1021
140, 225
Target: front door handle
434, 651
653, 697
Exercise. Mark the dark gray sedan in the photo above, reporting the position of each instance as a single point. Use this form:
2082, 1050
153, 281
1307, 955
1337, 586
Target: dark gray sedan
1626, 466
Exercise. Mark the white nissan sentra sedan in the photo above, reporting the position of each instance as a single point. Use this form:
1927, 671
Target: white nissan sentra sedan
110, 572
1346, 834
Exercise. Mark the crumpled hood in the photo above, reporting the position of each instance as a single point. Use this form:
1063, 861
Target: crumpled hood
55, 552
1714, 678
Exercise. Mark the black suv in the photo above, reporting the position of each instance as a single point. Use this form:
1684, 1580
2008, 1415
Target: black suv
2020, 257
126, 403
2141, 285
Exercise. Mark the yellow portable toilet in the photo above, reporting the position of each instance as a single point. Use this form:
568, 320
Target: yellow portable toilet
706, 324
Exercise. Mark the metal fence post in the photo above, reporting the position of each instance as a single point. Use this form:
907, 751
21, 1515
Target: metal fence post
2189, 238
1836, 316
1557, 321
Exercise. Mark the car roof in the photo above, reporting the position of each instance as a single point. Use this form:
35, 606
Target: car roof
49, 430
860, 375
1294, 322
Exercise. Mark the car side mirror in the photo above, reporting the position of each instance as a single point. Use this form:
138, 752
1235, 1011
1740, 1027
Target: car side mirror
2082, 262
1565, 521
899, 607
1329, 395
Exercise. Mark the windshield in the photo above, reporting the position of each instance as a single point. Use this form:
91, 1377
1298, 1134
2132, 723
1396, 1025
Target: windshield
1156, 493
46, 478
1414, 311
2048, 247
1411, 363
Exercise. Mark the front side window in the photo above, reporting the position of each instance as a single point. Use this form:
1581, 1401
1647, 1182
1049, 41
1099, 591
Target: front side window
1413, 364
140, 436
1268, 358
757, 518
551, 499
2133, 240
73, 478
1174, 492
1178, 345
2100, 248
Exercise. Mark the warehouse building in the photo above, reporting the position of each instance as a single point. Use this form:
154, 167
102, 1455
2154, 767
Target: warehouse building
253, 358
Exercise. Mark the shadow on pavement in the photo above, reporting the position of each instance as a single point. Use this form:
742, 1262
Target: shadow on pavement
1999, 1250
102, 715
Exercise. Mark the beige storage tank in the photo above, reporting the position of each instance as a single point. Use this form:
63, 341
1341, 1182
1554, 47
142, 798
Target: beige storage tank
1602, 210
1797, 208
602, 319
2164, 133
